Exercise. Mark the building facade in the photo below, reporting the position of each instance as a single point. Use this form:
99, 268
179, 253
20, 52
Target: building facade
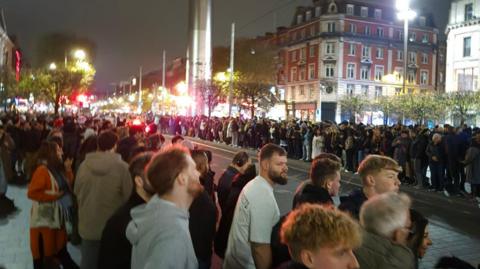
463, 35
336, 48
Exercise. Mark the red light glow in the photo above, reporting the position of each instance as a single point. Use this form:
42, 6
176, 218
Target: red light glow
137, 122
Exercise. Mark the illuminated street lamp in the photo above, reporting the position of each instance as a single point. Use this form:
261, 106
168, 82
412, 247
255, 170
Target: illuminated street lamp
52, 66
80, 55
405, 14
181, 87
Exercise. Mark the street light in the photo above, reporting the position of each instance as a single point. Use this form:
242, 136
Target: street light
405, 14
52, 66
80, 55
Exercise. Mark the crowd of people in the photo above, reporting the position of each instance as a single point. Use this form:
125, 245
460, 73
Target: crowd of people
450, 153
133, 200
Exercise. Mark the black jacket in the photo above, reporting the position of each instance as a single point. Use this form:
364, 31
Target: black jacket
309, 194
202, 224
225, 184
353, 202
115, 249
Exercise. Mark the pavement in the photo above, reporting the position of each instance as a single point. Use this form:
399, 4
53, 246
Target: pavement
453, 221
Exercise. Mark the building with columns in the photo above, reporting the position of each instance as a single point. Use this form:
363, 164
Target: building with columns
463, 46
336, 48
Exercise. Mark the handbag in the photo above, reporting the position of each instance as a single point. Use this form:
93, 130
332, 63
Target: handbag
46, 214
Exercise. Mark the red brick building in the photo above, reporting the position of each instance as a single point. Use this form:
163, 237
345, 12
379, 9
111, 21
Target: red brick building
345, 47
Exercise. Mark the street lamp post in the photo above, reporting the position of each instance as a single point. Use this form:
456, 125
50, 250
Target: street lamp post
405, 14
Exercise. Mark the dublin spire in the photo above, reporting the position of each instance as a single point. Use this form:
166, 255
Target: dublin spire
199, 51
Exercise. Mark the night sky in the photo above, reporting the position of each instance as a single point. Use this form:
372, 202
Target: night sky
130, 33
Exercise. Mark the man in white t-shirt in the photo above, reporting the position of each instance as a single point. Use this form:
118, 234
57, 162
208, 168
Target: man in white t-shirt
256, 213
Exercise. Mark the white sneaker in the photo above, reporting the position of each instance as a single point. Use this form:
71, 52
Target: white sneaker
445, 192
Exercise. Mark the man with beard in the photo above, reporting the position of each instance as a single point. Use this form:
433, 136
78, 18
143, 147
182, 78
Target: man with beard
256, 213
115, 249
159, 231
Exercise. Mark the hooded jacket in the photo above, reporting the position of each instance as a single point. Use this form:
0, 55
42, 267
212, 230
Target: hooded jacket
160, 237
352, 203
102, 185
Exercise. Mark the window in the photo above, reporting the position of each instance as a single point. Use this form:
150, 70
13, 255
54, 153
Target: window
330, 49
312, 31
302, 34
299, 19
367, 30
400, 35
329, 70
398, 73
364, 12
424, 58
353, 28
468, 11
440, 77
380, 32
317, 11
311, 92
413, 37
411, 77
379, 72
350, 9
303, 52
350, 89
293, 74
302, 73
398, 91
378, 91
353, 49
308, 15
311, 71
302, 90
331, 27
379, 53
292, 92
366, 51
399, 55
412, 57
351, 71
422, 21
365, 90
467, 46
378, 14
364, 72
294, 55
312, 51
423, 77
425, 38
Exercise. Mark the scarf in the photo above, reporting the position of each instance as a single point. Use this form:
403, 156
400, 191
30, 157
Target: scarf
66, 201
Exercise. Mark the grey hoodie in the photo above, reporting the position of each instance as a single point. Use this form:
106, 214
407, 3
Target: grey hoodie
102, 185
160, 237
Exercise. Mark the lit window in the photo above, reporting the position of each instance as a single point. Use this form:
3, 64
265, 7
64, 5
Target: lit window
308, 16
378, 14
353, 28
367, 30
299, 19
422, 21
411, 77
412, 57
378, 91
317, 11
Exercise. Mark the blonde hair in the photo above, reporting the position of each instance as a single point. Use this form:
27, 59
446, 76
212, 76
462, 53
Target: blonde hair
373, 164
312, 226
